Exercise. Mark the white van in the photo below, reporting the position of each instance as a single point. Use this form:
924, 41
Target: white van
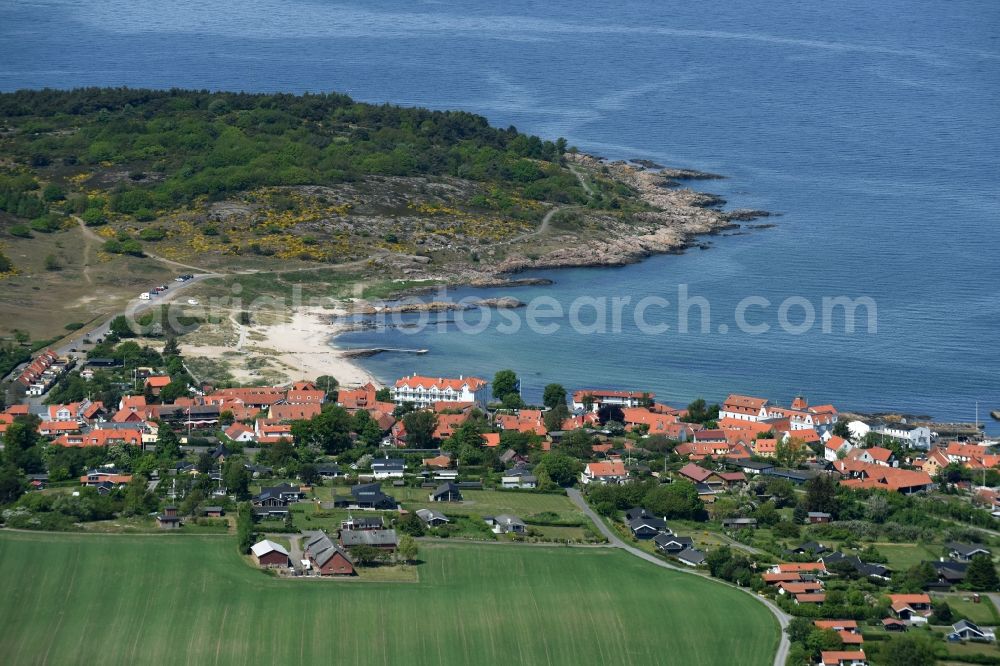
144, 296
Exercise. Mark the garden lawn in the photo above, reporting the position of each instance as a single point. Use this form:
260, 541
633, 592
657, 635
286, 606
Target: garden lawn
983, 613
902, 556
110, 599
490, 503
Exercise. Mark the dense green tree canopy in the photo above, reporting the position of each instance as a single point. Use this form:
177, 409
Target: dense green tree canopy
504, 384
214, 143
675, 500
553, 395
420, 428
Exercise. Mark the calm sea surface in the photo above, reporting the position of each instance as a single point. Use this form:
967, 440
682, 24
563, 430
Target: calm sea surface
873, 128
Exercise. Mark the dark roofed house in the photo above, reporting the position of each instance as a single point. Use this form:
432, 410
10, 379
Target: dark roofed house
950, 573
388, 468
277, 496
258, 470
104, 362
739, 523
519, 477
794, 475
671, 543
968, 631
637, 512
863, 568
506, 523
964, 552
446, 492
754, 467
328, 470
367, 496
647, 528
384, 539
813, 547
271, 511
362, 523
815, 517
325, 557
691, 557
213, 512
432, 518
281, 493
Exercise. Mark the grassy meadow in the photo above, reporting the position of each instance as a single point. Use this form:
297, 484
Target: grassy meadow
73, 598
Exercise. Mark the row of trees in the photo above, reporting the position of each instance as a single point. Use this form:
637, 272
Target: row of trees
677, 500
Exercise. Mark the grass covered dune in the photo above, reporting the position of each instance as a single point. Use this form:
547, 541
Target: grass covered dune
192, 600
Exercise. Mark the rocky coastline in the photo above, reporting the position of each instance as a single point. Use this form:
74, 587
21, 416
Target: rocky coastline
676, 216
500, 303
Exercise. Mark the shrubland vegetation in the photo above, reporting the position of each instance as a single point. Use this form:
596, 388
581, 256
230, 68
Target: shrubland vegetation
130, 157
203, 143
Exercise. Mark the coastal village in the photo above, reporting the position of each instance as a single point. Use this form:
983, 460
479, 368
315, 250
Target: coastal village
851, 529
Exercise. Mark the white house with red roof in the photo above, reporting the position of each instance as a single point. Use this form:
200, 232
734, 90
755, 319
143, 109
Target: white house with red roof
833, 447
915, 608
425, 391
239, 433
267, 431
875, 455
305, 393
598, 397
610, 471
744, 408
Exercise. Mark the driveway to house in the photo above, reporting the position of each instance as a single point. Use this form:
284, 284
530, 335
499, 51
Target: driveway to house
995, 598
783, 618
739, 546
294, 547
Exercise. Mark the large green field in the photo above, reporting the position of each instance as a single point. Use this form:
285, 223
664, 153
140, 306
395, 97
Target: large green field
84, 599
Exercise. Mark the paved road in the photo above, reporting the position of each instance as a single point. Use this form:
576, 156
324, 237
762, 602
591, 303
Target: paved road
995, 598
739, 546
783, 618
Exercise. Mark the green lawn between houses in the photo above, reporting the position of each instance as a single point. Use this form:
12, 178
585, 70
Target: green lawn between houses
81, 598
490, 503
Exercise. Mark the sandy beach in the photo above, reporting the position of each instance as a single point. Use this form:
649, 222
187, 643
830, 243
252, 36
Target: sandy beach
296, 346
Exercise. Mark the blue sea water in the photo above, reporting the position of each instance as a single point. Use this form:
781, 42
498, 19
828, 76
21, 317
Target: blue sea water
872, 128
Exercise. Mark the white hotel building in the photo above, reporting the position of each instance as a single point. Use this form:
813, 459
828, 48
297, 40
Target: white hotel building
425, 391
